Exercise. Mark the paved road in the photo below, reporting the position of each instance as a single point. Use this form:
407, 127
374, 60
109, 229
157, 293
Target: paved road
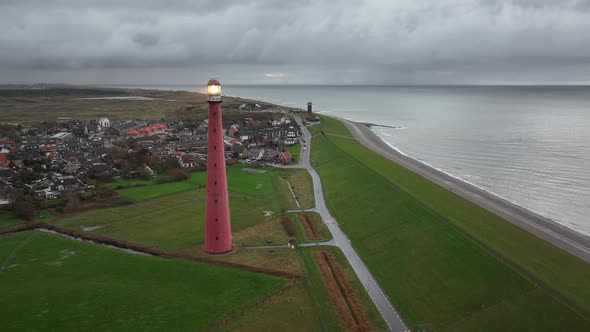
316, 244
388, 312
560, 236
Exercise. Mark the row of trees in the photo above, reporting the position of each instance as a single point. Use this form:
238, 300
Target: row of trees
25, 206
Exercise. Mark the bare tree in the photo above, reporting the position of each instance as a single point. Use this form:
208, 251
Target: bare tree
25, 208
73, 202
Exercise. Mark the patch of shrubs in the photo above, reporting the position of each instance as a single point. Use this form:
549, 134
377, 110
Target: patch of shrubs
288, 225
123, 201
174, 175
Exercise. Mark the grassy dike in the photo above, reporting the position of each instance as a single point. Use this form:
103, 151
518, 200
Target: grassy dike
445, 263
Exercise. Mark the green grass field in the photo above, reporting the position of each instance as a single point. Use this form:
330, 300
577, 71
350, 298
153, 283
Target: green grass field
124, 182
410, 233
147, 192
57, 284
171, 216
262, 185
264, 233
295, 151
301, 184
8, 219
292, 311
169, 222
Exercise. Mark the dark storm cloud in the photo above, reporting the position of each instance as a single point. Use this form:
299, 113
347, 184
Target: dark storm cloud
407, 40
145, 39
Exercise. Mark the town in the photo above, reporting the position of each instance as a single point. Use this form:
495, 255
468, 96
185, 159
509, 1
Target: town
66, 161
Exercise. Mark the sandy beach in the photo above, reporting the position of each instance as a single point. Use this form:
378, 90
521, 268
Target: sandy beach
560, 236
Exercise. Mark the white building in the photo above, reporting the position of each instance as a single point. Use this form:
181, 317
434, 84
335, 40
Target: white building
104, 123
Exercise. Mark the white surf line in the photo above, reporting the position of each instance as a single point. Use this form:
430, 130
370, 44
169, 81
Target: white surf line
293, 194
479, 200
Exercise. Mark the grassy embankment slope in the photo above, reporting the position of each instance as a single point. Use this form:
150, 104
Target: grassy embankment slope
443, 261
80, 286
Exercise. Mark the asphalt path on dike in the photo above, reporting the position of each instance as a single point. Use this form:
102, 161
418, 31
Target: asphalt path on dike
390, 315
569, 240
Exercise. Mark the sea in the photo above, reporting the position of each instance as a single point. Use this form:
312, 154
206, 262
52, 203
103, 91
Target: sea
527, 144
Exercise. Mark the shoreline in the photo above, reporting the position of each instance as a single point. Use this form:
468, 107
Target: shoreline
370, 126
559, 235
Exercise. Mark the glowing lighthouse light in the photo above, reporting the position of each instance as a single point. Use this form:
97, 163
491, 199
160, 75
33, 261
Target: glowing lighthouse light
218, 238
214, 89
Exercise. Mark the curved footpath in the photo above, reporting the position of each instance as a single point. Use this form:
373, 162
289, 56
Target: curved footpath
386, 309
552, 232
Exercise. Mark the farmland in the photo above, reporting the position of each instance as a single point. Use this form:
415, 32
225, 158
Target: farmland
54, 283
169, 222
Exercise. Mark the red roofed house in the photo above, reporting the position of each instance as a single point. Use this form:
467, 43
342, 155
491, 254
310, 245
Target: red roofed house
132, 133
5, 162
285, 157
188, 160
46, 148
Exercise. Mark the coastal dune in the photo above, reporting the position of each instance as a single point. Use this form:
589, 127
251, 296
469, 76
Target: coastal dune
560, 236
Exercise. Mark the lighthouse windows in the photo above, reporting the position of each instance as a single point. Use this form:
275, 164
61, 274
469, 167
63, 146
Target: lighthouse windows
215, 165
214, 129
215, 201
216, 238
215, 147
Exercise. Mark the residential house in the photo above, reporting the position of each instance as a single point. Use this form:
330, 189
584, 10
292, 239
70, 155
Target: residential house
49, 192
271, 155
7, 175
69, 183
72, 166
189, 160
5, 162
256, 154
59, 138
285, 157
100, 172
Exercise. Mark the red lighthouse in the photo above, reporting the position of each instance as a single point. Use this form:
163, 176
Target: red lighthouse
217, 222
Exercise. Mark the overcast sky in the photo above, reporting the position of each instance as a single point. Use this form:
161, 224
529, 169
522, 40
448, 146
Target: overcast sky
295, 41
